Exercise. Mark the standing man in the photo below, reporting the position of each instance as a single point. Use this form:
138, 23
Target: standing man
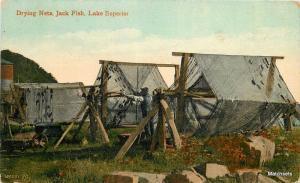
146, 107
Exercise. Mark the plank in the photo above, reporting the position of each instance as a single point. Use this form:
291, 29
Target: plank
73, 120
171, 122
134, 135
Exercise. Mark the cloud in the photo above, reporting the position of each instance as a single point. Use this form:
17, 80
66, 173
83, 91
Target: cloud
74, 56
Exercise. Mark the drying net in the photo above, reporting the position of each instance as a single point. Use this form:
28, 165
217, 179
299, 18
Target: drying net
240, 85
49, 103
128, 80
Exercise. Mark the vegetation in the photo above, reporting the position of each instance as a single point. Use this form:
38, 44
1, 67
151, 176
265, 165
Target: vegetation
26, 70
89, 163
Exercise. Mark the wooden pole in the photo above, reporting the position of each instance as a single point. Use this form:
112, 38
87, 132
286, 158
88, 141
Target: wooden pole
134, 135
19, 107
96, 116
101, 126
176, 77
170, 119
159, 136
83, 107
104, 83
162, 130
6, 123
86, 114
181, 88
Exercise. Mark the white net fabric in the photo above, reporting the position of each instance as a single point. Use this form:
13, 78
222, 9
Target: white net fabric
128, 80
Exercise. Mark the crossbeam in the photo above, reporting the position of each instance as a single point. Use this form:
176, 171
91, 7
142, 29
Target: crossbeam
137, 64
192, 54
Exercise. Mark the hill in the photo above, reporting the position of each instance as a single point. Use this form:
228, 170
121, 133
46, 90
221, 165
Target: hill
27, 70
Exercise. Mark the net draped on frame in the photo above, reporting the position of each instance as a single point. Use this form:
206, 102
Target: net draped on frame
129, 79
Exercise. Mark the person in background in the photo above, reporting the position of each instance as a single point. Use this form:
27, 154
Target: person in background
145, 108
145, 100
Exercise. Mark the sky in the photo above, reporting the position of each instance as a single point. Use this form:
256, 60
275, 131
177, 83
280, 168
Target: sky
69, 47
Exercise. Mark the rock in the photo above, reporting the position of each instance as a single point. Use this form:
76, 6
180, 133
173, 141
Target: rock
253, 176
248, 175
184, 177
265, 146
121, 177
263, 179
139, 177
212, 170
149, 177
193, 176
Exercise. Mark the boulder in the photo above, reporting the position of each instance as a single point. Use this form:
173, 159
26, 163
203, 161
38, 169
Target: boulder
138, 177
263, 179
265, 147
184, 177
212, 170
121, 177
149, 177
253, 176
248, 175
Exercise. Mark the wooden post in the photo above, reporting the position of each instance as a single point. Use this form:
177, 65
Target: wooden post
162, 130
86, 114
180, 89
8, 126
104, 82
176, 77
102, 129
159, 136
134, 135
170, 119
73, 120
16, 99
96, 116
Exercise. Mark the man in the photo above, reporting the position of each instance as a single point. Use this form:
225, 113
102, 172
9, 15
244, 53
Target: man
145, 100
145, 108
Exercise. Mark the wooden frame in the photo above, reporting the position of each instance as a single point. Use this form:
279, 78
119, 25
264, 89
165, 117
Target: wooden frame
104, 81
181, 91
92, 111
159, 136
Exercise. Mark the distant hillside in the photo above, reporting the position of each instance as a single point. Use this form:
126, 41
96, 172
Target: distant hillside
26, 70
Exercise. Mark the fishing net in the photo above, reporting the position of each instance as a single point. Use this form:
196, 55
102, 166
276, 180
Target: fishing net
242, 101
128, 79
50, 103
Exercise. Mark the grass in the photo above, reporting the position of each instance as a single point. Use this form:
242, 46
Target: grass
89, 163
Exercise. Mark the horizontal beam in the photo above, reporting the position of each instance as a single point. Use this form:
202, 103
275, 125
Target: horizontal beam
191, 54
54, 87
181, 53
138, 64
190, 94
